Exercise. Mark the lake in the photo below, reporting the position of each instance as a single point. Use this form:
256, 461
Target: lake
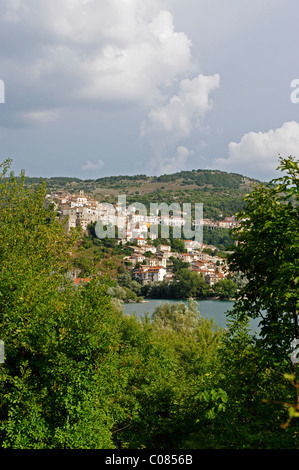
215, 309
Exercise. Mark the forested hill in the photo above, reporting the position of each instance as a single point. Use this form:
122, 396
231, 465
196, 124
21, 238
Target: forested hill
221, 193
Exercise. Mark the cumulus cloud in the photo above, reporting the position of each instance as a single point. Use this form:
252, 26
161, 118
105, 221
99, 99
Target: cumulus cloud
89, 52
181, 116
154, 58
177, 163
258, 152
100, 54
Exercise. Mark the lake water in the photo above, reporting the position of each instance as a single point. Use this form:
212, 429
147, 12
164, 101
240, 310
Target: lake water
215, 309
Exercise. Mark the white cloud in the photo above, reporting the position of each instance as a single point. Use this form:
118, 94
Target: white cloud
258, 152
90, 166
177, 163
154, 58
95, 53
183, 113
181, 116
90, 51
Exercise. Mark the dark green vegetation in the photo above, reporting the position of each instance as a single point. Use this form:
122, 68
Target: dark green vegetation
268, 256
80, 374
220, 238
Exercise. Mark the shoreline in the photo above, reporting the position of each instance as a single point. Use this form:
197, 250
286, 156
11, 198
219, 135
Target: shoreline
181, 300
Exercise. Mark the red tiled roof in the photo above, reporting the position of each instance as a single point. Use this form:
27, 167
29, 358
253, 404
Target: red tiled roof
78, 280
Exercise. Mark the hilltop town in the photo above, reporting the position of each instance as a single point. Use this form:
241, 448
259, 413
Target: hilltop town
149, 261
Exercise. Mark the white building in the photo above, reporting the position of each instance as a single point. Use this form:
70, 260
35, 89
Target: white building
150, 274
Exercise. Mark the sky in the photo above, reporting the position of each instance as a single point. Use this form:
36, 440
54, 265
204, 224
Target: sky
94, 88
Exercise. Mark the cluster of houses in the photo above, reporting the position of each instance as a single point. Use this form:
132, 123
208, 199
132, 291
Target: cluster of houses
151, 264
228, 222
81, 210
147, 262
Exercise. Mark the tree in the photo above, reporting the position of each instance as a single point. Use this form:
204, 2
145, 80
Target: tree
178, 245
188, 283
178, 264
125, 280
179, 317
53, 391
267, 254
225, 289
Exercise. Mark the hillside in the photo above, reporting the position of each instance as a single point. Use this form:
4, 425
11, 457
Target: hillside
221, 193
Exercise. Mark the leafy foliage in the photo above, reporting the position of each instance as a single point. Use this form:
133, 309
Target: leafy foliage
268, 255
79, 373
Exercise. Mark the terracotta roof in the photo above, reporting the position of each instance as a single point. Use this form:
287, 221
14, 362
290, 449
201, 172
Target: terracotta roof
79, 280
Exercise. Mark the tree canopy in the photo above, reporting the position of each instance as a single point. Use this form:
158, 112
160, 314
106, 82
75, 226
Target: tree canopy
268, 255
79, 374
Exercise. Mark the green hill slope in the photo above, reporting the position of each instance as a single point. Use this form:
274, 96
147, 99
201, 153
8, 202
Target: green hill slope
221, 193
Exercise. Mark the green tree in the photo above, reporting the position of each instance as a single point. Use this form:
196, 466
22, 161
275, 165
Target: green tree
246, 402
61, 341
267, 255
178, 245
179, 317
259, 403
178, 264
188, 283
225, 289
177, 349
